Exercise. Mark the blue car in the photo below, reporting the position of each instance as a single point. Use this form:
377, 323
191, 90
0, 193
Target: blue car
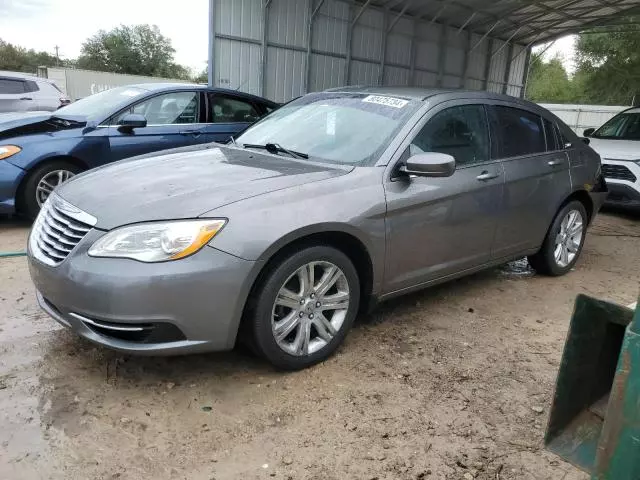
41, 150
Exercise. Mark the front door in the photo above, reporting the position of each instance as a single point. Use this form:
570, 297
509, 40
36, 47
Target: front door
173, 120
537, 178
437, 227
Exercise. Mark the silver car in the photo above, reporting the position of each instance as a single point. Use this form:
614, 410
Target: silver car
336, 201
25, 93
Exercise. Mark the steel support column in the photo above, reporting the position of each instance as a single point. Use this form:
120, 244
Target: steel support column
507, 69
412, 54
465, 60
263, 52
313, 11
442, 47
350, 25
212, 46
383, 46
487, 66
525, 76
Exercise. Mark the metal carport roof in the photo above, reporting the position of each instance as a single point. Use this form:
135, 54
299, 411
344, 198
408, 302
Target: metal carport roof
517, 21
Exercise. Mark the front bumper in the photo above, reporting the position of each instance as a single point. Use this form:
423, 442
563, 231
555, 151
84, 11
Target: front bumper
10, 178
624, 192
185, 306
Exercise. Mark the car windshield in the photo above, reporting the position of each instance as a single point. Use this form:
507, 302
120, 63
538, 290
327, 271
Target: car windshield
344, 128
625, 126
99, 105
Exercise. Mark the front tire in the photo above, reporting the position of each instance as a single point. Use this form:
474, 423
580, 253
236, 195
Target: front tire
41, 182
305, 307
563, 244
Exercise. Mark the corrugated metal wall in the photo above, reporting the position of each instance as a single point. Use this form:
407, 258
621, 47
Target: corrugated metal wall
284, 48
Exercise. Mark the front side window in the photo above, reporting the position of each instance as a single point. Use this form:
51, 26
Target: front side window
520, 132
344, 128
174, 108
461, 132
231, 110
9, 86
625, 126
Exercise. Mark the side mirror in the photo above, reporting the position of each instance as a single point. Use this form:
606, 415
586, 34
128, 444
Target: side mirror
131, 121
431, 164
588, 132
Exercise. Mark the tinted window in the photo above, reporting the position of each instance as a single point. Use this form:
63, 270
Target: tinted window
550, 134
231, 110
169, 109
625, 126
457, 131
31, 86
520, 132
8, 86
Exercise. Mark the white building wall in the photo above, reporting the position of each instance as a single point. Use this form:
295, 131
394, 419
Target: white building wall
579, 117
297, 55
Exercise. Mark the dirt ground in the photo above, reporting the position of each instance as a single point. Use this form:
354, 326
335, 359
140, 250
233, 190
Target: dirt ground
443, 384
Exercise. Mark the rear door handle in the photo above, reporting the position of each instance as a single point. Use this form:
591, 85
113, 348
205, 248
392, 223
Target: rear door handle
484, 176
554, 163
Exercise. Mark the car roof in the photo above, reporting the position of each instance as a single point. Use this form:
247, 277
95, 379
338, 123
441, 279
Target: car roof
20, 75
631, 110
160, 86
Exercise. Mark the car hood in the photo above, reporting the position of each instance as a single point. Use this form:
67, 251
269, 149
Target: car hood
616, 149
185, 184
27, 123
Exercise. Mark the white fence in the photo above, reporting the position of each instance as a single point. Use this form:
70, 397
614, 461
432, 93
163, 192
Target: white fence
78, 83
579, 117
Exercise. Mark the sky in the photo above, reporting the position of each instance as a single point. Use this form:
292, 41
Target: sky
564, 47
43, 24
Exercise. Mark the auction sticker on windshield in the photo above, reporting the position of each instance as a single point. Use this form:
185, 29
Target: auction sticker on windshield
386, 101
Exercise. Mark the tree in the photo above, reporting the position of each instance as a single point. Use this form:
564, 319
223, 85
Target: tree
19, 59
136, 50
549, 81
609, 64
202, 77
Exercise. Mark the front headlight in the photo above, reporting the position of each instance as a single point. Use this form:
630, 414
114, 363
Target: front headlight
7, 151
157, 242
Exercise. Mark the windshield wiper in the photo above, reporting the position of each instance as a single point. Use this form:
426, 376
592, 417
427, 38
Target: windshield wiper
275, 148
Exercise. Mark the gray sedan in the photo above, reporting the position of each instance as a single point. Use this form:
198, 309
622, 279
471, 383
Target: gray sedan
333, 202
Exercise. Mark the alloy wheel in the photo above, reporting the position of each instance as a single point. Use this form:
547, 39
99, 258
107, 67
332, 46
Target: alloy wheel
49, 182
310, 308
569, 238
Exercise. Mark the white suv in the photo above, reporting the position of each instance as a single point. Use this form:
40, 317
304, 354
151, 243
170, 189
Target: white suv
618, 143
20, 92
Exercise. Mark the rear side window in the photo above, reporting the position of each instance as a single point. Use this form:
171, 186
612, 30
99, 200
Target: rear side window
521, 132
550, 134
31, 86
9, 86
226, 109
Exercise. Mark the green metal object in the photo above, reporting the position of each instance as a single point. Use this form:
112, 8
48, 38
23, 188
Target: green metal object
595, 417
12, 254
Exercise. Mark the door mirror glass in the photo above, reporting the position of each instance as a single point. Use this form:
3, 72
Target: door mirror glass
430, 164
131, 121
588, 132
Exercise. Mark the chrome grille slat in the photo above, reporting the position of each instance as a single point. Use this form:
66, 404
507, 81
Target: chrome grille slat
56, 232
59, 218
64, 231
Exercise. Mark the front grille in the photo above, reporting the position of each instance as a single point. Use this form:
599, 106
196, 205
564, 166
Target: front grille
58, 229
619, 172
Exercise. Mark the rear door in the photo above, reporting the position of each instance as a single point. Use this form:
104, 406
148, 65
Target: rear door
229, 115
441, 226
14, 96
174, 119
537, 177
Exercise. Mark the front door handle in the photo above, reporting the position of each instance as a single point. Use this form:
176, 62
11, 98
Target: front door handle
195, 133
484, 176
554, 163
26, 98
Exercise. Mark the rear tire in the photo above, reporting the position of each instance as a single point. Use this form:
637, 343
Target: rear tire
292, 323
32, 194
563, 244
